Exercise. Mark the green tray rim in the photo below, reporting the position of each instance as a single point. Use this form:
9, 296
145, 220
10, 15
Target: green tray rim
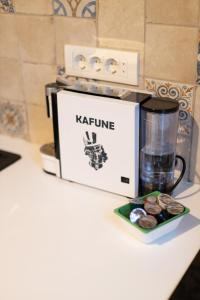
143, 230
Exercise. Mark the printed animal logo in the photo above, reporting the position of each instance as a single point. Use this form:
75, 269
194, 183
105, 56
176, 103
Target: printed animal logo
95, 151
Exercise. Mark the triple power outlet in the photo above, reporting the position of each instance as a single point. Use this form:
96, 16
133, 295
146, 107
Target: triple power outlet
103, 64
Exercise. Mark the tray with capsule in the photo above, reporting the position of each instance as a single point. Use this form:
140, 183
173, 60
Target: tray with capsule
152, 216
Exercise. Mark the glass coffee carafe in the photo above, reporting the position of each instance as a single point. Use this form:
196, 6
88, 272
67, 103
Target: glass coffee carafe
159, 125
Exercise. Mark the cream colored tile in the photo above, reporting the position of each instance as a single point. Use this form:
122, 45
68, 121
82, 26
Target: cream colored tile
10, 79
36, 38
118, 29
195, 153
180, 12
40, 127
121, 20
34, 79
170, 53
43, 7
125, 45
8, 37
74, 31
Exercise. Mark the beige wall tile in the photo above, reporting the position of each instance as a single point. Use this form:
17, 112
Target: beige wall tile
43, 7
127, 46
8, 37
180, 12
170, 53
34, 79
36, 38
76, 31
40, 127
118, 29
195, 153
10, 79
121, 20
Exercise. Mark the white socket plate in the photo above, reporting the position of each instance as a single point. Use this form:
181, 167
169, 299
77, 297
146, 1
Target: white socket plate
124, 70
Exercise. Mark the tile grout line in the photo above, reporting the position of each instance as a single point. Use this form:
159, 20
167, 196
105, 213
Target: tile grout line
43, 15
172, 25
198, 41
194, 104
52, 7
28, 62
145, 29
97, 22
198, 13
171, 80
27, 134
190, 175
55, 39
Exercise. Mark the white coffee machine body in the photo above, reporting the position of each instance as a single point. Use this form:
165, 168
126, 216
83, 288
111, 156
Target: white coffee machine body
96, 137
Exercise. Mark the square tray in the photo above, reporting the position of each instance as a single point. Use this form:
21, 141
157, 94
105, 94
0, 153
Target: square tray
149, 235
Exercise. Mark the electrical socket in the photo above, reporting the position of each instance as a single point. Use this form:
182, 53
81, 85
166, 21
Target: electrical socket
103, 64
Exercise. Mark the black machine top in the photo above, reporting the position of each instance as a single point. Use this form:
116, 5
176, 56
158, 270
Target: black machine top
115, 93
162, 105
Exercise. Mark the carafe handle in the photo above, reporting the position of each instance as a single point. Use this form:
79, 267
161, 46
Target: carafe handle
182, 172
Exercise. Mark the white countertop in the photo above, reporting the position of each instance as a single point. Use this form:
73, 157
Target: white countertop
61, 240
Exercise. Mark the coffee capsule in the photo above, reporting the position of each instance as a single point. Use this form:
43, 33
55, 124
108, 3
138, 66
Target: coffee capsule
164, 200
136, 214
151, 199
152, 209
163, 216
147, 222
175, 208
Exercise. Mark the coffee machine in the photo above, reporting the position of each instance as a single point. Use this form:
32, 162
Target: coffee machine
122, 141
96, 135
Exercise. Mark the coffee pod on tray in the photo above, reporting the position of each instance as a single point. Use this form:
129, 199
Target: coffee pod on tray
175, 208
136, 214
147, 222
152, 209
156, 211
164, 200
151, 199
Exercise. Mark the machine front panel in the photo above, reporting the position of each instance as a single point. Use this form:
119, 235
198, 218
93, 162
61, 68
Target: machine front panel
99, 142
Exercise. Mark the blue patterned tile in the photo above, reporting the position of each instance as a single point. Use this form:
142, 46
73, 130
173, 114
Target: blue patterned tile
184, 94
60, 70
7, 6
75, 8
59, 8
13, 119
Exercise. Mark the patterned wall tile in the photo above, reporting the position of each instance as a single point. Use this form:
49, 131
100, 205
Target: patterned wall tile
75, 8
13, 119
184, 94
60, 70
7, 6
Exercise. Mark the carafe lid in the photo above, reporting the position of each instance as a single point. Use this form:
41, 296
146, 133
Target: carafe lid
162, 105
